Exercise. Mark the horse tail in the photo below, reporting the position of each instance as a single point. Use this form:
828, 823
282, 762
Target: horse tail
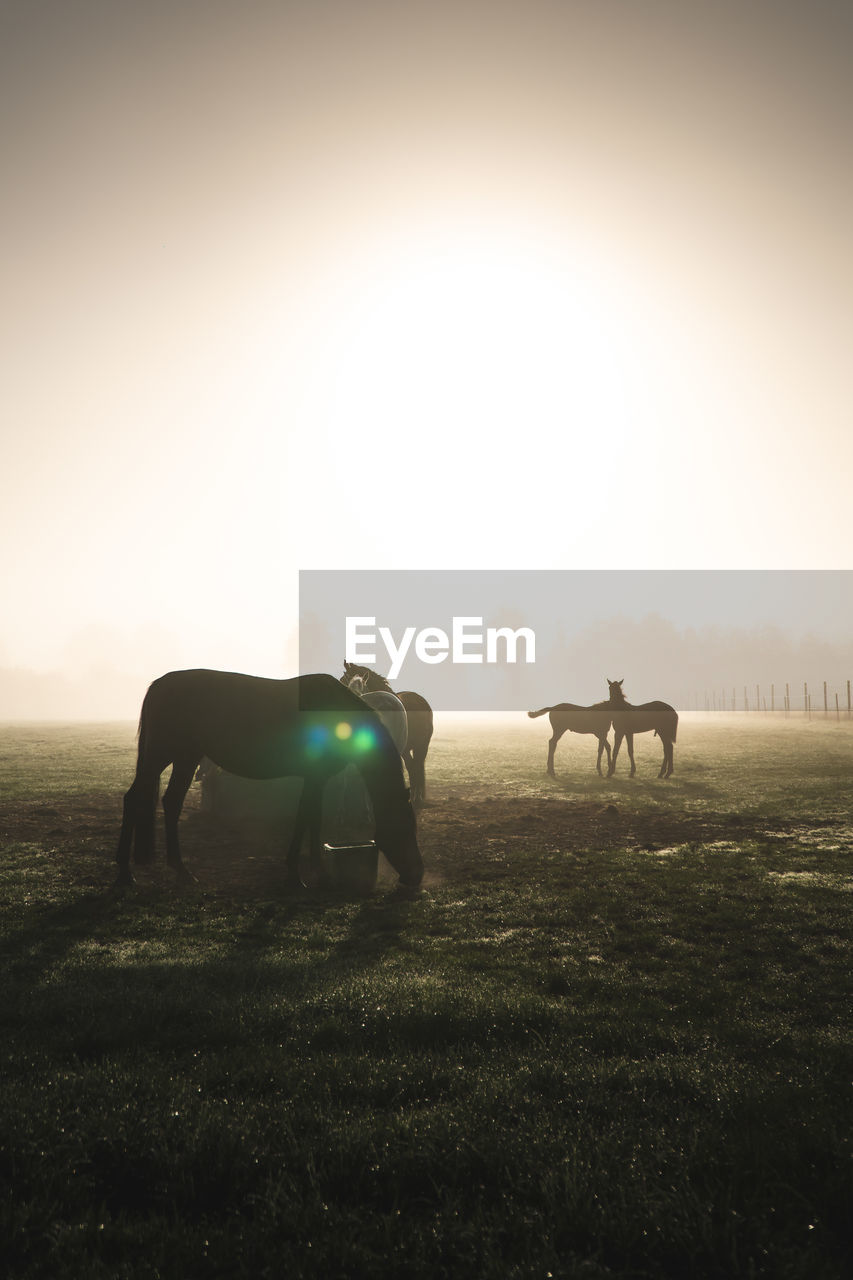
674, 727
541, 712
145, 801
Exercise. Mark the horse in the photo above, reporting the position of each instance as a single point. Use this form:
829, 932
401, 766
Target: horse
388, 707
566, 715
349, 795
628, 720
420, 725
308, 727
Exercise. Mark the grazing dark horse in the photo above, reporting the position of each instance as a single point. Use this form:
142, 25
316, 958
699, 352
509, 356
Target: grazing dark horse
309, 727
628, 720
565, 715
419, 715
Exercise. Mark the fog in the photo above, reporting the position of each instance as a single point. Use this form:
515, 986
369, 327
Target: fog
688, 667
429, 285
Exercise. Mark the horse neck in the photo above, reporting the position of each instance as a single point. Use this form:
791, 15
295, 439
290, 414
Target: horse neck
383, 774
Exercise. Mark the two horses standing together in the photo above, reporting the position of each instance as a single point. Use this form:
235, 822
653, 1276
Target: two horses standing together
310, 727
626, 719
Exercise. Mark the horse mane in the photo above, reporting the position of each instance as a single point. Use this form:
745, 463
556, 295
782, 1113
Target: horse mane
367, 674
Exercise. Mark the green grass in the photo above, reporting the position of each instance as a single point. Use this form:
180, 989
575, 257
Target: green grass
602, 1044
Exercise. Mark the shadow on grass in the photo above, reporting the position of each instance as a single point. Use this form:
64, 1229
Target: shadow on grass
640, 787
155, 965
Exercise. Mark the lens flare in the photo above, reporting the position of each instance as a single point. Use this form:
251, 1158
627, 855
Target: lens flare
363, 739
316, 741
343, 730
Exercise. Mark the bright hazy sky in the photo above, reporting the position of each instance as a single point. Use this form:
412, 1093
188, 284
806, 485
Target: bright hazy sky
419, 284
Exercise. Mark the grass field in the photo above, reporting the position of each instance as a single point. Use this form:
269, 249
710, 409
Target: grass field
612, 1038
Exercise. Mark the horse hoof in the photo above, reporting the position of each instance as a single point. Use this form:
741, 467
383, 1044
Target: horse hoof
124, 880
405, 892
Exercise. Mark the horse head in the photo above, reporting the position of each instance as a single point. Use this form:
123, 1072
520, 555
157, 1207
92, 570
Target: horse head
616, 694
372, 681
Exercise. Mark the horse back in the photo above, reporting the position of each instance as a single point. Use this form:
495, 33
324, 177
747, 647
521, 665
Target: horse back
241, 722
577, 719
645, 717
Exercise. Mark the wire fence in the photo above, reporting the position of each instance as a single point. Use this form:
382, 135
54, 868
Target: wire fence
824, 700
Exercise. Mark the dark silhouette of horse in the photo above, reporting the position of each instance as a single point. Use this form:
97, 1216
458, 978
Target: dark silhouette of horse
566, 715
628, 720
419, 715
309, 727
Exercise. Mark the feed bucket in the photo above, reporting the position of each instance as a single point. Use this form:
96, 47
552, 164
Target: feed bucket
352, 868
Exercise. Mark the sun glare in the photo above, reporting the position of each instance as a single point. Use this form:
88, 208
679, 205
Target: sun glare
468, 358
453, 336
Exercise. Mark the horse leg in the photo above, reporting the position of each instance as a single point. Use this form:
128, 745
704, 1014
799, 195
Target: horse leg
668, 753
137, 825
409, 762
414, 758
314, 818
617, 743
309, 814
418, 777
629, 743
183, 772
125, 839
294, 880
603, 745
552, 747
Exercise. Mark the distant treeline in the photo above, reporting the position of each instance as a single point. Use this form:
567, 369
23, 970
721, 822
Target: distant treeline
723, 669
657, 659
